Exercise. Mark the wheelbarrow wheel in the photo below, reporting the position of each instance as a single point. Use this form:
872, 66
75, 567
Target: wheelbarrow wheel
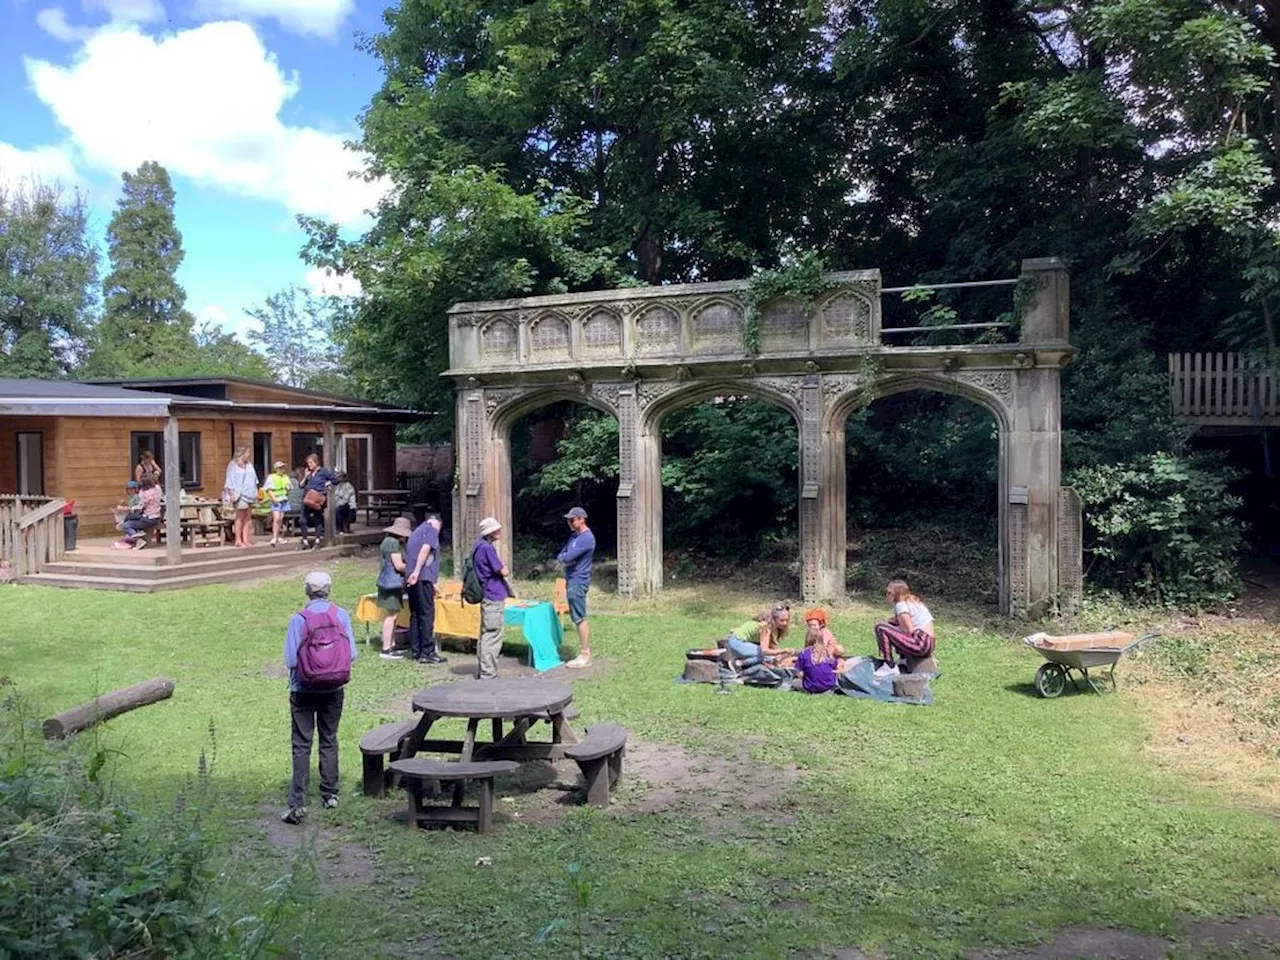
1051, 680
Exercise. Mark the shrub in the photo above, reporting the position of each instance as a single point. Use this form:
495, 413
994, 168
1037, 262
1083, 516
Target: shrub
83, 875
1161, 528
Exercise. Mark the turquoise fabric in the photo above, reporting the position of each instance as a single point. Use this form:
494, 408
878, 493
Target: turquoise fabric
541, 628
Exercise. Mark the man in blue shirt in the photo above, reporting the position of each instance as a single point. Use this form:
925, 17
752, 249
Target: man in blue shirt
422, 555
313, 708
492, 573
576, 559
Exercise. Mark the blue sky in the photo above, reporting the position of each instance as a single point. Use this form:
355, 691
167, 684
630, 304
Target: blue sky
246, 103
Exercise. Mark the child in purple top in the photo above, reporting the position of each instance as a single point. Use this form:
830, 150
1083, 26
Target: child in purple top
816, 664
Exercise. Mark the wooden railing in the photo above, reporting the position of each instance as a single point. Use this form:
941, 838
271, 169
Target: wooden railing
31, 532
1226, 386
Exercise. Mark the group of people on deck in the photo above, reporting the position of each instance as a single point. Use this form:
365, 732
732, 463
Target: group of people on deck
908, 632
303, 494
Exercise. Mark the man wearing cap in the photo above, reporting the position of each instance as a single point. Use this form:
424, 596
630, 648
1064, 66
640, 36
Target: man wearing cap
278, 485
423, 556
493, 574
312, 709
576, 560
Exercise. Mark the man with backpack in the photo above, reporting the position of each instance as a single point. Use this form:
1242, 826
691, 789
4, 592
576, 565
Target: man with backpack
485, 574
318, 650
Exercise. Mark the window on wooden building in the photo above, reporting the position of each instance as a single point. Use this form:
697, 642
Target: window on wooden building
305, 444
189, 462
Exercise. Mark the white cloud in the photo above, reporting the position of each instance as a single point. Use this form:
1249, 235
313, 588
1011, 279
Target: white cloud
131, 11
53, 21
41, 164
205, 103
326, 283
213, 314
314, 17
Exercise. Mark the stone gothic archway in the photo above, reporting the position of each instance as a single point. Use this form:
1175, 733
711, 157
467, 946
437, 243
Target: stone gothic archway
641, 353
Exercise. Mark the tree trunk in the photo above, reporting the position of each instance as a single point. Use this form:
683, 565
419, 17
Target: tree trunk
107, 706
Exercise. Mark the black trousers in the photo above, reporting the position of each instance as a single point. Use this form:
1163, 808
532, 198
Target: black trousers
422, 619
311, 709
312, 523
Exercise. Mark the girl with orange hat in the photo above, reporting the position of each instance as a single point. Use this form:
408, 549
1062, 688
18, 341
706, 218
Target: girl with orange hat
815, 618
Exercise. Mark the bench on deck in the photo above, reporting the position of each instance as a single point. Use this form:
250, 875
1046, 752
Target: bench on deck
377, 743
415, 772
599, 757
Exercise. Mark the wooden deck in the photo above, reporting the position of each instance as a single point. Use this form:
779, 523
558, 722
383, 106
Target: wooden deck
93, 565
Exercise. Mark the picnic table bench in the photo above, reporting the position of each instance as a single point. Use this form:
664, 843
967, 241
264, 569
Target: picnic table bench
416, 772
599, 757
382, 505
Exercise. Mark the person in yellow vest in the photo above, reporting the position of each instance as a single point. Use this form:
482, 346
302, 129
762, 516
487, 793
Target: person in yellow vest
277, 486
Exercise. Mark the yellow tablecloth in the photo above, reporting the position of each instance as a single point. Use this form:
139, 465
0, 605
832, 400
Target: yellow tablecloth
454, 618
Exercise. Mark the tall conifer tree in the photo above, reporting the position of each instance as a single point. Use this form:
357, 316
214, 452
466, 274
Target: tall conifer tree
145, 324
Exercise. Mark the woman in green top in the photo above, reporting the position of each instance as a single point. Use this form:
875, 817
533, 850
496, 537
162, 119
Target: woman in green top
391, 552
760, 637
278, 485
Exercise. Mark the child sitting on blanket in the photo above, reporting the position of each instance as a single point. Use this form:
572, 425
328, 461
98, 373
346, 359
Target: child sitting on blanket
815, 618
816, 664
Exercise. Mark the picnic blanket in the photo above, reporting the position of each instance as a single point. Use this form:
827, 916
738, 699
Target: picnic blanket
860, 680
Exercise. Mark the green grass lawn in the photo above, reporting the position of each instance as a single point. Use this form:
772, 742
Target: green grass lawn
990, 819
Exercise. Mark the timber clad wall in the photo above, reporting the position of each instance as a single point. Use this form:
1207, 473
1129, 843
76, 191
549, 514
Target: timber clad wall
88, 459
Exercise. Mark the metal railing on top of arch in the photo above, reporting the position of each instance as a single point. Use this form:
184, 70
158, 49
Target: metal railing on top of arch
944, 314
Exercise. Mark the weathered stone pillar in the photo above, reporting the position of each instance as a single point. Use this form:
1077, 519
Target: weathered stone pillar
470, 428
810, 487
628, 454
832, 519
1035, 476
647, 508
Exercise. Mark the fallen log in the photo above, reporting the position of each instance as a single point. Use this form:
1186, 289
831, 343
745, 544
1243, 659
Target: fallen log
107, 706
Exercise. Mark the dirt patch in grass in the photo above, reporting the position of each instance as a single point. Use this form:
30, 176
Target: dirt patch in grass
706, 787
1078, 943
1250, 937
338, 863
275, 670
424, 947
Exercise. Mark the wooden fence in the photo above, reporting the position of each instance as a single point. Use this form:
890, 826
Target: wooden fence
31, 532
1227, 386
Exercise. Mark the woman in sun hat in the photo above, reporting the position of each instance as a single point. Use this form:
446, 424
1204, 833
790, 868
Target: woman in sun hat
492, 573
391, 582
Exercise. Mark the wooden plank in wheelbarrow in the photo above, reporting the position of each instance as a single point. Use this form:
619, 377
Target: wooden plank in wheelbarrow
1087, 641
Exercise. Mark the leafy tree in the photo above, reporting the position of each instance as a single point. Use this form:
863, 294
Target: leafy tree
296, 336
48, 276
145, 325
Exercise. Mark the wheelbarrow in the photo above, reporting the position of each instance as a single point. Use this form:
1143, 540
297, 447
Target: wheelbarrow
1078, 654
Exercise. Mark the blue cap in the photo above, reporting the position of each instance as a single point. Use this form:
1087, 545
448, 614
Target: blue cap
576, 512
131, 485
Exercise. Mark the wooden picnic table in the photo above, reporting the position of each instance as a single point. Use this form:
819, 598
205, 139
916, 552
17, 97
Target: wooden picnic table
385, 504
522, 700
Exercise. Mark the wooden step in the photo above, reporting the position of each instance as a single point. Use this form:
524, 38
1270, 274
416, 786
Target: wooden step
244, 565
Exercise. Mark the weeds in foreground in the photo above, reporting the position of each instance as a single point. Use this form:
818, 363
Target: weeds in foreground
82, 873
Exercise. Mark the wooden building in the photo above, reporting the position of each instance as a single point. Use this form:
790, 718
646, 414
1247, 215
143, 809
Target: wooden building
80, 441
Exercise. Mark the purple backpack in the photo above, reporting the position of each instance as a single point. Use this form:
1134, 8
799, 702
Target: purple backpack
324, 656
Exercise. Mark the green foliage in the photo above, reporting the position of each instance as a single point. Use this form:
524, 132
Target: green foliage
83, 874
296, 337
48, 275
145, 324
1161, 528
800, 277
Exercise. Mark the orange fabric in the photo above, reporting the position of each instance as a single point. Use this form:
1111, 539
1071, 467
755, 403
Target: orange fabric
816, 613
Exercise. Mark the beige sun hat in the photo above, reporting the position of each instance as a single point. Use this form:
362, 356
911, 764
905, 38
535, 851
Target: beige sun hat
489, 525
400, 527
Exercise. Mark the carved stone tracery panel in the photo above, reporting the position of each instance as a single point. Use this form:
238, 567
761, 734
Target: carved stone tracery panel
717, 328
500, 340
846, 318
549, 336
657, 331
602, 335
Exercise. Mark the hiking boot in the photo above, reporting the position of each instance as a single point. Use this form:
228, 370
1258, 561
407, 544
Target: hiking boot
434, 658
330, 803
391, 655
294, 815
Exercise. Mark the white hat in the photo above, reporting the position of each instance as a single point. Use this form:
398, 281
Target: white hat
317, 583
489, 525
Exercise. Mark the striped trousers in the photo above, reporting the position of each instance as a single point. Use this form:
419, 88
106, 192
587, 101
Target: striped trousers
889, 638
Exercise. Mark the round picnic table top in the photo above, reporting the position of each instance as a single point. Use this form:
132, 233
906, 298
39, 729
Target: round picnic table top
514, 697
